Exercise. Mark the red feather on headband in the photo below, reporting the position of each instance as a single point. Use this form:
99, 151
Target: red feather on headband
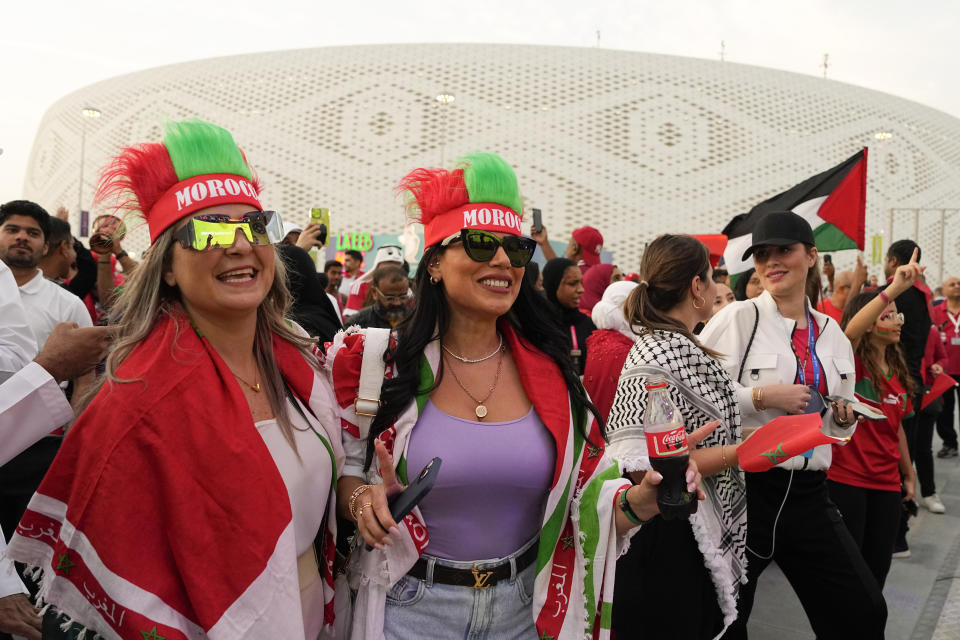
137, 177
433, 192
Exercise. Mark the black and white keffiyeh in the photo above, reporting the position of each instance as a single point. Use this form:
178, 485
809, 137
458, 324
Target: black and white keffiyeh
703, 392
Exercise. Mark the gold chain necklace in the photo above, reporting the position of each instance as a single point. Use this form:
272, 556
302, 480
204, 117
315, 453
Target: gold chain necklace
254, 387
481, 409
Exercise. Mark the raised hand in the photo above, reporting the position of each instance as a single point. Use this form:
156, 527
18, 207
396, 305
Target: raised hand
374, 521
310, 236
906, 275
541, 237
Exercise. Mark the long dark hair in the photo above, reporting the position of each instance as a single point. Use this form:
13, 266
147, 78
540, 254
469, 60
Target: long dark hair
669, 265
868, 348
430, 321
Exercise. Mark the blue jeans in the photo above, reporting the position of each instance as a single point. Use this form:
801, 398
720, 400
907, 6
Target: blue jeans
425, 610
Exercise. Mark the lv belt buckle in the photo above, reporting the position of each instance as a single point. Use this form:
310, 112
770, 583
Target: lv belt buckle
480, 579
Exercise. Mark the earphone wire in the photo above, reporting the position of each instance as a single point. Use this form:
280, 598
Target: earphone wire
773, 535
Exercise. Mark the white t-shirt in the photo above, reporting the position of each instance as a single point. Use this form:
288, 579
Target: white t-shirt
17, 344
48, 304
308, 481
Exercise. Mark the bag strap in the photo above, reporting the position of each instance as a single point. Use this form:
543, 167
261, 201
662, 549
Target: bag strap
753, 334
375, 343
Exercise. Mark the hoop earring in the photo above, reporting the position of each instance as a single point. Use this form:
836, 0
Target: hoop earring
434, 281
702, 302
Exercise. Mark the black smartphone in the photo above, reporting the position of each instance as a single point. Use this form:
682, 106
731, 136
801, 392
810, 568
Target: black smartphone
827, 258
537, 221
403, 503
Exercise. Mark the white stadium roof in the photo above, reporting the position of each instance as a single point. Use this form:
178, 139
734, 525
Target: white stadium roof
635, 144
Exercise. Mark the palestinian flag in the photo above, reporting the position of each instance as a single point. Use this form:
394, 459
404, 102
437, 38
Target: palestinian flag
833, 202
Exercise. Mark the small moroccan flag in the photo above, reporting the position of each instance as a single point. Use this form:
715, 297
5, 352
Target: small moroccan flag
782, 438
940, 385
833, 202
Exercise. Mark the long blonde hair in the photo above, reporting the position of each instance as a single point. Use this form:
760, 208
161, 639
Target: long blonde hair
146, 298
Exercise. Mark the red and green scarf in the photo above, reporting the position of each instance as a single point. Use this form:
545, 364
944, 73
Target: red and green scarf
164, 514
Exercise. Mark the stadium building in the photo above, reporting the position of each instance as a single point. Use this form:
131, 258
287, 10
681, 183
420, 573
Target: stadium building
635, 144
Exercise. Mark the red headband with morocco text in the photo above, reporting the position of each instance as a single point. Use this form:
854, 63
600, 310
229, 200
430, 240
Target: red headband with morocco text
488, 216
197, 193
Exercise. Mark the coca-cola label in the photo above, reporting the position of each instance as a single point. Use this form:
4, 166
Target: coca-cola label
665, 444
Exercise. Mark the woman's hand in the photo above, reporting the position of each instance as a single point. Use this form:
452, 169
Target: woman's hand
843, 415
792, 398
643, 496
905, 276
372, 514
936, 369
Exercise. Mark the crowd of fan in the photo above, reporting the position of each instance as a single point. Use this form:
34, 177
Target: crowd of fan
62, 281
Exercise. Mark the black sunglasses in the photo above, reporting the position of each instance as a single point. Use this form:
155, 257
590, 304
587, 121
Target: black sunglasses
481, 246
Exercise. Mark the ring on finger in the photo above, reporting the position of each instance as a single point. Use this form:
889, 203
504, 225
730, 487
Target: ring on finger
362, 507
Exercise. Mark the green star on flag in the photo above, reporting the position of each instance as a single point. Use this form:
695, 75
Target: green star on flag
567, 542
64, 564
152, 634
593, 452
774, 455
544, 636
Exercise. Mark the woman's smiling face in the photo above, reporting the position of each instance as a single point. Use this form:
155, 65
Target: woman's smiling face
783, 270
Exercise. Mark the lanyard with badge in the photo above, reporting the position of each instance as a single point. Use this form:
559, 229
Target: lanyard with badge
816, 401
812, 354
955, 340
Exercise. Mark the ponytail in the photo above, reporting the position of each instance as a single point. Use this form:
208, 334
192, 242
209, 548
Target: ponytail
668, 266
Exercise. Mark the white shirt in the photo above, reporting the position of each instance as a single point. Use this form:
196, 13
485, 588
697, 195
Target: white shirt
48, 304
31, 402
308, 480
17, 343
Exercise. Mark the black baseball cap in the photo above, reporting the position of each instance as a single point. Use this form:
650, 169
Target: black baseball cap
779, 229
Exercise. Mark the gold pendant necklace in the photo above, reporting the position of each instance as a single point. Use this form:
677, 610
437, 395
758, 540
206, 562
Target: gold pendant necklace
481, 409
254, 387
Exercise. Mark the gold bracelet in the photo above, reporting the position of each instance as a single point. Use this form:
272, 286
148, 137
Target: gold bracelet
353, 498
763, 407
723, 457
757, 395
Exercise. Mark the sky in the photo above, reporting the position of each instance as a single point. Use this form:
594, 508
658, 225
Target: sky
52, 47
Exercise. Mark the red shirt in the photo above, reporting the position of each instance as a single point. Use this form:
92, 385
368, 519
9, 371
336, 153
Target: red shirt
801, 348
935, 353
949, 327
872, 457
606, 352
825, 306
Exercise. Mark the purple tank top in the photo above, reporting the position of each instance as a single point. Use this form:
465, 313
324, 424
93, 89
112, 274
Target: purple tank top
492, 487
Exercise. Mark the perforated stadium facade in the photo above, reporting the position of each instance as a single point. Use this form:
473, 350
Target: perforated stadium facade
635, 144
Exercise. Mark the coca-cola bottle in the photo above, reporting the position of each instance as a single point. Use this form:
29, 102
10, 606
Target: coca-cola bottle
668, 451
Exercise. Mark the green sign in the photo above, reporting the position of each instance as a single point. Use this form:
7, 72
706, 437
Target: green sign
362, 242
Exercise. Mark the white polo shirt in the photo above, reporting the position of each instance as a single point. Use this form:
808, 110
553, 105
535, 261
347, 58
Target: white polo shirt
48, 304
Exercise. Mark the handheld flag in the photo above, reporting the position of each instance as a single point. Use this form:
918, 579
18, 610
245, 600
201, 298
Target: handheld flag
833, 202
780, 439
941, 384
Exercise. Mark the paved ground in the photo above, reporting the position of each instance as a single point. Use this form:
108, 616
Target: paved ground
922, 591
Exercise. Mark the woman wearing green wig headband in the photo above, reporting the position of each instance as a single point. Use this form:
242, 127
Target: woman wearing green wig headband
191, 498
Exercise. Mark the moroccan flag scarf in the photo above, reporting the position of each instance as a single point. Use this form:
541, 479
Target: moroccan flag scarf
164, 514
